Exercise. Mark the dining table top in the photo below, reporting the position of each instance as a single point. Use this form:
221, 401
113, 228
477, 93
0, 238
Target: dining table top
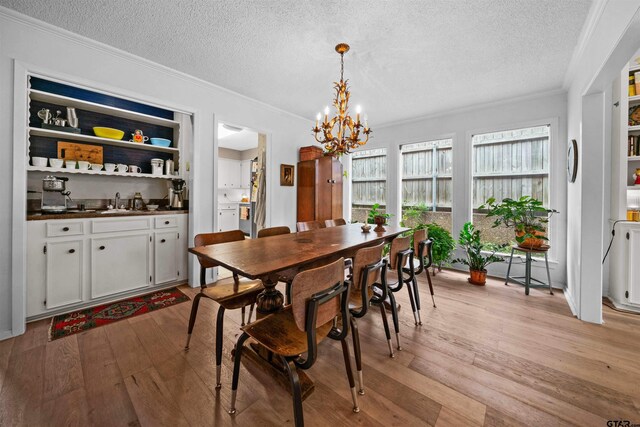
255, 258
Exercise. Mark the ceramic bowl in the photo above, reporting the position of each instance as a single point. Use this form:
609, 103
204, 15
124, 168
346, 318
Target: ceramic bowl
56, 163
160, 142
152, 207
40, 162
108, 133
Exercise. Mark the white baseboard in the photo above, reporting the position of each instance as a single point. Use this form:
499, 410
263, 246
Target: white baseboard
5, 335
569, 297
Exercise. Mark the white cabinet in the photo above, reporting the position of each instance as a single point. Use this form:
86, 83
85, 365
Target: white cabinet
63, 273
119, 263
228, 219
245, 174
633, 275
166, 257
78, 263
229, 173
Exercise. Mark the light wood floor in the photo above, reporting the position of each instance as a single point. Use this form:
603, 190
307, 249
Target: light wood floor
486, 356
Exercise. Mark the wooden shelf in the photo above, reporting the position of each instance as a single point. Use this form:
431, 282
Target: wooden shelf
634, 99
633, 158
98, 173
106, 141
38, 95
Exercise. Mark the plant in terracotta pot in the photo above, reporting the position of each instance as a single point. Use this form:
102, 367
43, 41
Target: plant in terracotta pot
527, 216
477, 262
378, 218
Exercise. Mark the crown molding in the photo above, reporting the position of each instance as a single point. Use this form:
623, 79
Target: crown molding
472, 107
595, 13
137, 60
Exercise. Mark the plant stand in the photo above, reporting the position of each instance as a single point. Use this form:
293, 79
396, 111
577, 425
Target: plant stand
527, 269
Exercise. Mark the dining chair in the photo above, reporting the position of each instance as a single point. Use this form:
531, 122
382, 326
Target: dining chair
400, 255
422, 250
287, 275
319, 296
230, 294
334, 222
368, 286
273, 231
309, 225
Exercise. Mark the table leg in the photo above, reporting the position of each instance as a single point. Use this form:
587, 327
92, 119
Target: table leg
270, 300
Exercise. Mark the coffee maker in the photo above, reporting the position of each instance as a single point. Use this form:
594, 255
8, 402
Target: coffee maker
54, 194
177, 193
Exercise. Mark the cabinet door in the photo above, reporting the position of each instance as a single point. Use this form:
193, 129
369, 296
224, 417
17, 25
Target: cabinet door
245, 173
120, 264
324, 188
166, 257
223, 173
64, 273
336, 189
633, 255
228, 220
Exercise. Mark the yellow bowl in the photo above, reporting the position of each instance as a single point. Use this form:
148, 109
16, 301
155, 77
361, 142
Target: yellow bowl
108, 133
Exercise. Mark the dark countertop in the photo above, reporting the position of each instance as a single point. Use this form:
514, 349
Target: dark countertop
37, 216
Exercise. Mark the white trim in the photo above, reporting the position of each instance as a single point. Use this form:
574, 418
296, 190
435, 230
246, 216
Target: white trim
568, 296
593, 17
136, 60
481, 105
5, 335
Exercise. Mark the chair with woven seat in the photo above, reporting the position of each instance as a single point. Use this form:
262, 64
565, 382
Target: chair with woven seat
308, 225
230, 294
334, 222
368, 286
422, 250
319, 296
401, 255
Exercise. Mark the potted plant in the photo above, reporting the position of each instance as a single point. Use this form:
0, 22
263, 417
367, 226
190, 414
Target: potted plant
477, 262
526, 215
442, 244
378, 218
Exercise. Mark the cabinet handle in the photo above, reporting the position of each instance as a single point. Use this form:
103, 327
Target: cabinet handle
65, 229
101, 248
72, 251
162, 241
166, 223
331, 181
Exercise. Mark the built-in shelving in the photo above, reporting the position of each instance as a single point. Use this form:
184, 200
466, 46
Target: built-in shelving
38, 95
634, 129
97, 173
106, 141
633, 158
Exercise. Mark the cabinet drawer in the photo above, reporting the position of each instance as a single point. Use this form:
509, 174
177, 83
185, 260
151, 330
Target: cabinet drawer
166, 222
58, 229
114, 226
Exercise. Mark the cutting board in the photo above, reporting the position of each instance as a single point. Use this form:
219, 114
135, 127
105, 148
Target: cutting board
75, 151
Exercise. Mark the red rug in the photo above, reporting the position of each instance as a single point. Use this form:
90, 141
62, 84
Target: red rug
78, 321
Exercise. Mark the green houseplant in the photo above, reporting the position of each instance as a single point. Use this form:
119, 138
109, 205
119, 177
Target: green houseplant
377, 217
442, 244
477, 262
526, 215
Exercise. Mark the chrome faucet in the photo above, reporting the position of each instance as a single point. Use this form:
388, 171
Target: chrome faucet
117, 201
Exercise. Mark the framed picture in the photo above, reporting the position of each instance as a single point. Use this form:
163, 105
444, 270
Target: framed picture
286, 175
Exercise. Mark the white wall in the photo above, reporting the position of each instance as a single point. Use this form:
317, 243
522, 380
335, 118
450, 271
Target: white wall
460, 125
586, 200
28, 43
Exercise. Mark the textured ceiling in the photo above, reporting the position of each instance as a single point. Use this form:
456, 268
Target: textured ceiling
243, 140
407, 58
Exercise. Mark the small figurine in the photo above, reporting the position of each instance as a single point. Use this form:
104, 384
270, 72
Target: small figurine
138, 137
636, 177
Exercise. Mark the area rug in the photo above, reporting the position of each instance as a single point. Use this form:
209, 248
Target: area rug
68, 324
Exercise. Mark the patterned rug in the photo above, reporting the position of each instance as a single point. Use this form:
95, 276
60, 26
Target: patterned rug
78, 321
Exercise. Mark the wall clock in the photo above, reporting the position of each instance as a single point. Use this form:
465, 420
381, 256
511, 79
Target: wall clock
572, 161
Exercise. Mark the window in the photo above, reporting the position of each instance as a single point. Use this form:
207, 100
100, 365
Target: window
369, 182
426, 183
508, 164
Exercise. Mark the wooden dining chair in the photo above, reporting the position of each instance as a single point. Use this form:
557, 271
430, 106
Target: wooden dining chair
334, 222
319, 296
273, 231
422, 251
368, 286
230, 294
285, 276
400, 255
309, 225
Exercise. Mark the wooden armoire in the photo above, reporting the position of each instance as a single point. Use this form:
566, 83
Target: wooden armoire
319, 189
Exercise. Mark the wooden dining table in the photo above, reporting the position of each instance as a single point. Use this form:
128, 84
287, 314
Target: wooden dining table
279, 258
272, 258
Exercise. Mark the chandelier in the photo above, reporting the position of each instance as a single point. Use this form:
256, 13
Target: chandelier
347, 135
